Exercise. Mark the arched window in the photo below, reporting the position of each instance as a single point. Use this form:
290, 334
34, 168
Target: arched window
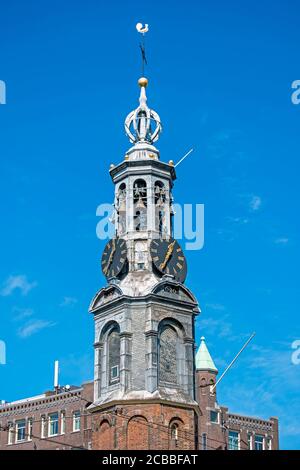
168, 355
211, 385
174, 432
113, 346
121, 208
140, 205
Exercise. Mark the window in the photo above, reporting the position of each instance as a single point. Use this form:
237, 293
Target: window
10, 433
203, 386
53, 424
114, 373
76, 421
249, 440
259, 442
114, 357
204, 441
168, 356
174, 432
121, 208
30, 425
233, 440
20, 430
214, 416
269, 443
63, 422
43, 426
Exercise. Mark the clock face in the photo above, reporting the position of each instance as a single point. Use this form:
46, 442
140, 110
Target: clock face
114, 257
168, 258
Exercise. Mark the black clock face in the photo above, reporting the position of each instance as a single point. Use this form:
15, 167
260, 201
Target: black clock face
168, 258
114, 257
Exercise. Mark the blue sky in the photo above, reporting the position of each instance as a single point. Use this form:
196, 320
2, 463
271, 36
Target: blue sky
220, 77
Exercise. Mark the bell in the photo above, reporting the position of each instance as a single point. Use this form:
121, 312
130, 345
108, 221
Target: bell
140, 204
160, 202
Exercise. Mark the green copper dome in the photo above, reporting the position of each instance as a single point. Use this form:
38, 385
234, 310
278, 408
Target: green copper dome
203, 358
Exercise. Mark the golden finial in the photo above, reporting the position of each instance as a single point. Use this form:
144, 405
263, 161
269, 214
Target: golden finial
143, 82
171, 163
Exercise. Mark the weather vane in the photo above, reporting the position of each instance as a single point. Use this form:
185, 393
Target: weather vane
143, 29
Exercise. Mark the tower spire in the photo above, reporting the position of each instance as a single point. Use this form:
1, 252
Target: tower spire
143, 125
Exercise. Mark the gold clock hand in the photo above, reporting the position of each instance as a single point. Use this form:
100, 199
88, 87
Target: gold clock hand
168, 255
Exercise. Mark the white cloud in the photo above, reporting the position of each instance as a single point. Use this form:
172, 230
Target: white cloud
17, 282
215, 306
33, 326
255, 203
216, 327
68, 301
282, 241
22, 313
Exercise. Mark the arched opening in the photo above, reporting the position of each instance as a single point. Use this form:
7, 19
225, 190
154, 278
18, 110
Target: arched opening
140, 205
175, 434
121, 208
203, 386
109, 356
113, 346
211, 387
160, 209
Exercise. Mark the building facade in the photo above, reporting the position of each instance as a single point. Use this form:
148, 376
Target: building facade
55, 420
149, 391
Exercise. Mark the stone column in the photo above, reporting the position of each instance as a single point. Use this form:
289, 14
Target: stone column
125, 360
151, 361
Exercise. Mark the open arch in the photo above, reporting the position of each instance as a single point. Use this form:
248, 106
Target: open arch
160, 206
175, 433
121, 208
140, 204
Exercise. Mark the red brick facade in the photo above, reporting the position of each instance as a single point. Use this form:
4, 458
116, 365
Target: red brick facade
140, 425
26, 424
219, 429
147, 426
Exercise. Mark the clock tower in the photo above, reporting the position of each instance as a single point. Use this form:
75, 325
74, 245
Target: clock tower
144, 377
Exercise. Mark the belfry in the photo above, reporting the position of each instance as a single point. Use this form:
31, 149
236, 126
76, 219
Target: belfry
144, 384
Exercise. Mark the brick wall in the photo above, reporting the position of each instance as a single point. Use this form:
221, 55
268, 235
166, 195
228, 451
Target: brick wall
144, 426
38, 411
